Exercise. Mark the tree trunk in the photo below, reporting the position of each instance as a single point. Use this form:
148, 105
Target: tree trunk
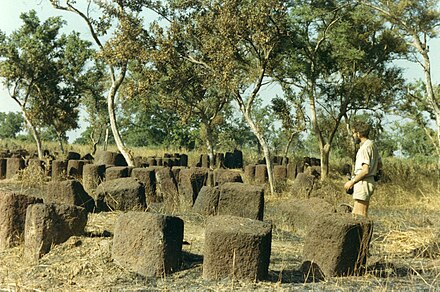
431, 94
318, 133
35, 134
289, 142
60, 142
325, 161
94, 141
209, 144
106, 139
266, 150
115, 131
437, 147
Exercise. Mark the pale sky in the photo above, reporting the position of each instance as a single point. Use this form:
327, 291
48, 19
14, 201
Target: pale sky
10, 21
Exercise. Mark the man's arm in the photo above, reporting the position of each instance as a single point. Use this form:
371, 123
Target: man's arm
360, 176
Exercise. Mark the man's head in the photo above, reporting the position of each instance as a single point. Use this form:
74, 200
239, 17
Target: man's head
362, 129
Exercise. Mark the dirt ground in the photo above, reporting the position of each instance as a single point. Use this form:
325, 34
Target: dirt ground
405, 255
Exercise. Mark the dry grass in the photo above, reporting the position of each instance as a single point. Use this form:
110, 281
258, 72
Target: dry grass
405, 252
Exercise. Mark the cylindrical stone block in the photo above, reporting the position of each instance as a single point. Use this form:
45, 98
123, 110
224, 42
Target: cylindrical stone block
249, 172
236, 247
204, 160
13, 166
151, 161
93, 175
183, 160
280, 173
261, 173
75, 167
59, 169
2, 168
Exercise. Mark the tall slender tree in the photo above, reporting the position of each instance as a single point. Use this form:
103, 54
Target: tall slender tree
237, 44
42, 70
417, 23
117, 28
338, 60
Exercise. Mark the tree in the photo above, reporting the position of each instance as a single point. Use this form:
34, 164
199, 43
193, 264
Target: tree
238, 46
412, 140
10, 124
117, 29
148, 123
415, 108
417, 23
95, 105
339, 59
179, 85
42, 71
293, 123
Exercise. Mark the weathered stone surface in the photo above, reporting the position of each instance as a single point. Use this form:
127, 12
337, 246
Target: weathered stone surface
13, 166
204, 160
166, 189
12, 218
124, 194
219, 160
261, 174
151, 161
3, 168
93, 175
299, 167
291, 170
222, 176
140, 161
59, 169
210, 181
49, 224
176, 172
159, 161
69, 192
249, 173
71, 155
302, 185
114, 172
301, 214
191, 181
207, 201
110, 158
241, 200
183, 160
88, 157
338, 244
314, 170
147, 176
236, 247
280, 173
148, 244
233, 159
75, 168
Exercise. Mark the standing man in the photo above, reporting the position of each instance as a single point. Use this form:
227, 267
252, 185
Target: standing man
368, 163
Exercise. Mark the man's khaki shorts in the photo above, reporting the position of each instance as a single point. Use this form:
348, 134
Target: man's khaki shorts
364, 189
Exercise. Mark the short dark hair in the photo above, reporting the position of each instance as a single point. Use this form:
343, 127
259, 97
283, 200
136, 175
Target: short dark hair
362, 128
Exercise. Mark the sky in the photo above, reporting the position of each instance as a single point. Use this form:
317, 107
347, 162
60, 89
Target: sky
10, 21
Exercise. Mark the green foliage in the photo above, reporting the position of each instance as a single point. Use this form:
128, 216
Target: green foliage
10, 124
235, 133
413, 140
42, 70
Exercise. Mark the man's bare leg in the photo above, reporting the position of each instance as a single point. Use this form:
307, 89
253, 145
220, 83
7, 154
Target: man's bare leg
360, 208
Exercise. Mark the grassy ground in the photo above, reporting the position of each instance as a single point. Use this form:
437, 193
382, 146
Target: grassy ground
405, 249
